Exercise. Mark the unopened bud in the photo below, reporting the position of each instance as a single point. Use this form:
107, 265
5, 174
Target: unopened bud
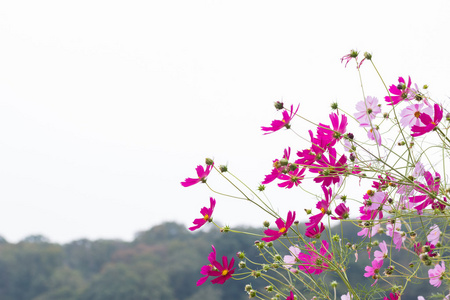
242, 265
223, 168
248, 287
252, 294
279, 105
209, 161
266, 223
334, 106
261, 187
241, 254
269, 288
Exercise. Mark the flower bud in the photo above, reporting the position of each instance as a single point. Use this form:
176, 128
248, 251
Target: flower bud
308, 211
334, 106
278, 105
225, 229
368, 55
292, 167
248, 287
266, 223
261, 187
256, 274
413, 235
350, 136
334, 284
425, 86
270, 244
241, 254
275, 265
251, 293
284, 162
411, 265
386, 115
447, 116
269, 288
223, 168
277, 257
209, 161
266, 267
242, 265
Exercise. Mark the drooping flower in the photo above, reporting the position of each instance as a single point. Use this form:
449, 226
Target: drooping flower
201, 173
434, 235
367, 110
291, 260
435, 274
314, 231
206, 213
380, 255
394, 231
223, 271
400, 92
411, 115
323, 206
282, 228
432, 188
372, 271
279, 167
350, 56
428, 122
278, 124
315, 263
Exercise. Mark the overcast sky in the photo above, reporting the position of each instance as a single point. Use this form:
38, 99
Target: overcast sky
105, 106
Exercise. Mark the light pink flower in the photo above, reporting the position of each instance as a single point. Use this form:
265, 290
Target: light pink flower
347, 296
374, 135
411, 115
434, 235
436, 274
291, 260
380, 255
419, 170
372, 271
367, 110
206, 213
394, 231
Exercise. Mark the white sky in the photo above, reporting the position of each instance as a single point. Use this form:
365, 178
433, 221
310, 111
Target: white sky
105, 106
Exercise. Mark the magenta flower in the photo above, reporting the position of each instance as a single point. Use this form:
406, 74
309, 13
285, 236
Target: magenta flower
201, 173
380, 255
291, 296
429, 123
419, 249
399, 92
329, 169
206, 213
372, 271
367, 110
223, 271
392, 296
282, 228
278, 124
436, 274
315, 230
411, 115
429, 191
291, 178
342, 212
280, 166
349, 57
336, 132
315, 263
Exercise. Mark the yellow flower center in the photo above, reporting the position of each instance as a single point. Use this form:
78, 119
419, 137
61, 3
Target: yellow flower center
206, 217
224, 272
282, 230
417, 114
322, 210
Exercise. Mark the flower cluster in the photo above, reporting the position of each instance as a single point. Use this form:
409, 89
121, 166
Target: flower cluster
393, 163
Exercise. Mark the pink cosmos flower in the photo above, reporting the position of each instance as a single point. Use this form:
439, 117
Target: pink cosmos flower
367, 110
291, 260
432, 188
394, 231
315, 230
278, 124
436, 274
349, 57
434, 235
370, 232
223, 271
374, 135
206, 213
336, 132
328, 168
420, 250
314, 263
347, 296
411, 115
280, 167
282, 228
291, 296
291, 178
201, 173
419, 170
342, 212
372, 271
392, 296
428, 122
380, 255
323, 206
399, 92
